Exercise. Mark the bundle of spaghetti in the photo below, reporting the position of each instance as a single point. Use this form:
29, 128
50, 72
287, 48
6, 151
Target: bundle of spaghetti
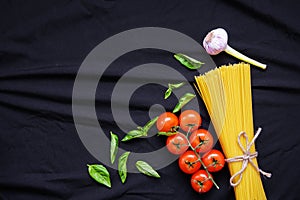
226, 92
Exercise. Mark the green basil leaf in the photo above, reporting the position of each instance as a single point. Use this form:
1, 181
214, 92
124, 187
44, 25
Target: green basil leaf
133, 134
187, 61
148, 125
166, 133
140, 131
100, 174
183, 101
122, 166
176, 85
136, 132
168, 93
114, 143
146, 169
171, 87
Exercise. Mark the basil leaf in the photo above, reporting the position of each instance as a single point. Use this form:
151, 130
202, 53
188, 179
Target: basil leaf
146, 169
100, 174
187, 61
137, 132
148, 125
114, 143
171, 87
133, 134
122, 166
176, 85
166, 133
140, 131
168, 93
183, 101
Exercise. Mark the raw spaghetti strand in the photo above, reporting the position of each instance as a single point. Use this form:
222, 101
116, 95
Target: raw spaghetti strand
226, 92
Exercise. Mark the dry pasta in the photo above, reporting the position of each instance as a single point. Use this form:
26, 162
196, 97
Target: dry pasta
226, 92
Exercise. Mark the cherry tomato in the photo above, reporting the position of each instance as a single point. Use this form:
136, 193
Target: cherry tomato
200, 181
201, 140
189, 162
177, 144
189, 117
166, 122
214, 160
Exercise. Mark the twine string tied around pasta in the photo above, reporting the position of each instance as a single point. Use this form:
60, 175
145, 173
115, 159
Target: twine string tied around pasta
246, 158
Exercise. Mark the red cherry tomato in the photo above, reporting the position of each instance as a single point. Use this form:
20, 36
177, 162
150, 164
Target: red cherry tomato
177, 144
201, 140
200, 181
189, 162
214, 160
166, 122
189, 117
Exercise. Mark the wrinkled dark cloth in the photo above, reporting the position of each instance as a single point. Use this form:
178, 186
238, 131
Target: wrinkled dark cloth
42, 45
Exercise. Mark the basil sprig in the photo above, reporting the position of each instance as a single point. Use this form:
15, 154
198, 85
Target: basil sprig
171, 87
140, 131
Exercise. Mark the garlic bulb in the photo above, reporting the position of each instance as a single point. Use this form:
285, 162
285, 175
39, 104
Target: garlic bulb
216, 41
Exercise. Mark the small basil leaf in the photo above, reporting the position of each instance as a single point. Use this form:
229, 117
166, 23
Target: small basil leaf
148, 125
176, 85
183, 101
146, 169
114, 143
187, 61
168, 93
100, 174
136, 132
133, 134
140, 131
171, 87
122, 166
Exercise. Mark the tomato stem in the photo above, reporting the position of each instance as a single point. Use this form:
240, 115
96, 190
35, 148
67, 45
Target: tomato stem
188, 132
205, 168
200, 160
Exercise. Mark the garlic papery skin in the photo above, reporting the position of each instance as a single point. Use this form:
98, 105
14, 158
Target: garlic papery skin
216, 41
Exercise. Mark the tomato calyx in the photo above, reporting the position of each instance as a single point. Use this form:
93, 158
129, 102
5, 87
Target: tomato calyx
202, 142
215, 163
174, 129
191, 126
178, 145
201, 183
190, 164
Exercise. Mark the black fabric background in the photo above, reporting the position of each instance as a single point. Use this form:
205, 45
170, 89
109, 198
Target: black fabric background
42, 45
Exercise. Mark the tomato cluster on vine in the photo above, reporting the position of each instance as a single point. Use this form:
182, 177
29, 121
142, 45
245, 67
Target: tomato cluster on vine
193, 145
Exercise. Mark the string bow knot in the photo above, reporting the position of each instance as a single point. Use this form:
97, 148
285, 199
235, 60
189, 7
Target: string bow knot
246, 158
